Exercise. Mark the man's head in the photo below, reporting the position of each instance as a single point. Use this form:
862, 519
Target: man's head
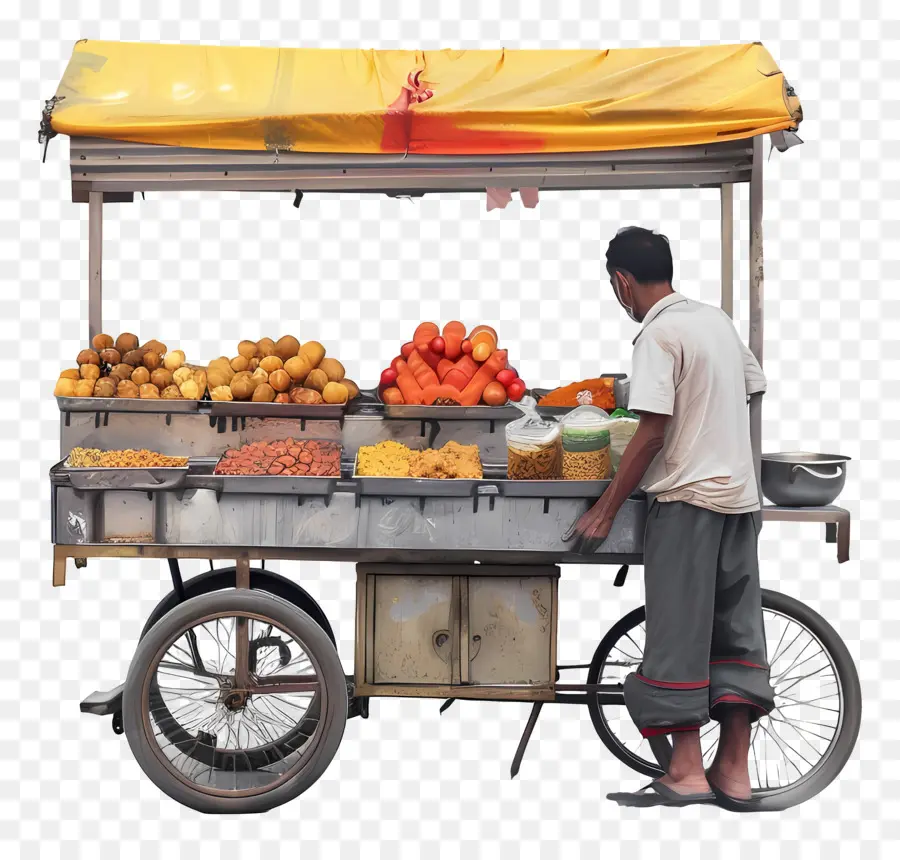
639, 263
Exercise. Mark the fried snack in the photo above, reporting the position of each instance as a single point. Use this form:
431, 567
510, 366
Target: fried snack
86, 458
451, 461
386, 459
286, 457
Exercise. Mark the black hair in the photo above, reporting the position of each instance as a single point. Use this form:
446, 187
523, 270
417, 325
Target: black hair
642, 253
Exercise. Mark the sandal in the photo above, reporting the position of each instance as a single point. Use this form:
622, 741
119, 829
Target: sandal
658, 794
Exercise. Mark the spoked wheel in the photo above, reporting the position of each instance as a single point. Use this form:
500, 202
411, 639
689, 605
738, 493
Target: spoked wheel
235, 701
795, 751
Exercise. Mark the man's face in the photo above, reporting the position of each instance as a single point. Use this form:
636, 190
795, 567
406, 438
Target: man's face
623, 289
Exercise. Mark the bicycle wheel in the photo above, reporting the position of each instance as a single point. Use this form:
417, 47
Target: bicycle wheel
795, 751
244, 753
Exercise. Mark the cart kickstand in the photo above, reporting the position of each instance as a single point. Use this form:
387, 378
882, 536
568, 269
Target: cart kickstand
526, 736
446, 705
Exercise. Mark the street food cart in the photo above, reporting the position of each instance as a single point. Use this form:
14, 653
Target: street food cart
236, 700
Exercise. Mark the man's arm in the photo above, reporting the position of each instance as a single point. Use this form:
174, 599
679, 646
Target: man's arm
646, 443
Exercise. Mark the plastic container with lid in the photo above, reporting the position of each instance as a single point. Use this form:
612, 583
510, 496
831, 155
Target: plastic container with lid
534, 446
586, 445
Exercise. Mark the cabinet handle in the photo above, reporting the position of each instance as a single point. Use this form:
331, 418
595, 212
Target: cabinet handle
476, 647
440, 641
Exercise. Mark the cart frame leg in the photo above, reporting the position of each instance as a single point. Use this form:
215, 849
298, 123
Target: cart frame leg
59, 568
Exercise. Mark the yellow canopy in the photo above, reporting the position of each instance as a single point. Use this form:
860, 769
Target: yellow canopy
434, 102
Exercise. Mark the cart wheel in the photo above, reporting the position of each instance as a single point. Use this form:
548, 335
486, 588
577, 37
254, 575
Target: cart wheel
236, 749
798, 749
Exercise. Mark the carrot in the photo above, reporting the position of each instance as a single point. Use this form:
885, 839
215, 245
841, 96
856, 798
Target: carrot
424, 334
392, 396
432, 359
443, 368
462, 372
486, 373
433, 392
406, 382
454, 333
421, 371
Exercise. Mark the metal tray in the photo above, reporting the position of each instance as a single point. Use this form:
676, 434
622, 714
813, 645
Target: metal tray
126, 404
556, 489
247, 408
263, 485
145, 480
423, 487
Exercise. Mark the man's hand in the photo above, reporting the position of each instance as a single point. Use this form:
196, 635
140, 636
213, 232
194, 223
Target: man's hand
595, 524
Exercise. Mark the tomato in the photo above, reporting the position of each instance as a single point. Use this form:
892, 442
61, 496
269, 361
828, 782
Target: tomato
516, 390
494, 394
505, 377
466, 346
389, 376
438, 346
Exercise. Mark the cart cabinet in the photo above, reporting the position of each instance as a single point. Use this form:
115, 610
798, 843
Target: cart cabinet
456, 629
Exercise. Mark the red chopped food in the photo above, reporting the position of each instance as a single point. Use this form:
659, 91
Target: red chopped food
283, 457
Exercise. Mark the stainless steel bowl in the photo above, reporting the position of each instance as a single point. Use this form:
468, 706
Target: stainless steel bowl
798, 479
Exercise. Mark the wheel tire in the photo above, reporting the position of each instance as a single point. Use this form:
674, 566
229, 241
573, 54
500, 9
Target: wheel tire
294, 621
827, 769
260, 580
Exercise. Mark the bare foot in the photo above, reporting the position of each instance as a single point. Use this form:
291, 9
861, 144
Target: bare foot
735, 784
693, 784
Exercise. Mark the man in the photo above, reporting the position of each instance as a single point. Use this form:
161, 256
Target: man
705, 654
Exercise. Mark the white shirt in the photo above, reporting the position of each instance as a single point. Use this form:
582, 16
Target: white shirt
690, 362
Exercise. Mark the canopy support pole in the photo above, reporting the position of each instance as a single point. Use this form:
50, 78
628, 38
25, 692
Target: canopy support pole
756, 297
726, 205
95, 263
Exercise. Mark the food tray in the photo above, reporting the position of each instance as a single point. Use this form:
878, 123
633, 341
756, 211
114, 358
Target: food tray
621, 387
127, 404
424, 487
262, 485
247, 408
553, 489
146, 480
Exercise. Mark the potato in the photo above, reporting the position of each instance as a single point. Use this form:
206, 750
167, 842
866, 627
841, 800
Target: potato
105, 387
73, 373
217, 378
263, 393
88, 356
84, 388
298, 368
239, 363
334, 370
161, 378
265, 347
305, 396
314, 351
111, 356
173, 360
122, 371
149, 391
183, 374
248, 349
271, 363
140, 376
126, 388
171, 392
351, 386
101, 342
189, 390
151, 360
65, 387
89, 371
254, 363
334, 392
133, 357
280, 380
221, 392
317, 379
287, 347
126, 342
223, 369
282, 397
260, 375
200, 377
242, 387
154, 346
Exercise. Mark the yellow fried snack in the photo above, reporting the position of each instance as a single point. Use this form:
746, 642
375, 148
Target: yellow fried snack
394, 460
386, 459
86, 458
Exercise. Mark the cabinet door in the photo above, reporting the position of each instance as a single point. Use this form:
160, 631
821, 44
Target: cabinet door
413, 637
510, 631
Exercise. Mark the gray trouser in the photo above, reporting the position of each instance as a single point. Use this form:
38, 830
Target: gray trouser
706, 646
